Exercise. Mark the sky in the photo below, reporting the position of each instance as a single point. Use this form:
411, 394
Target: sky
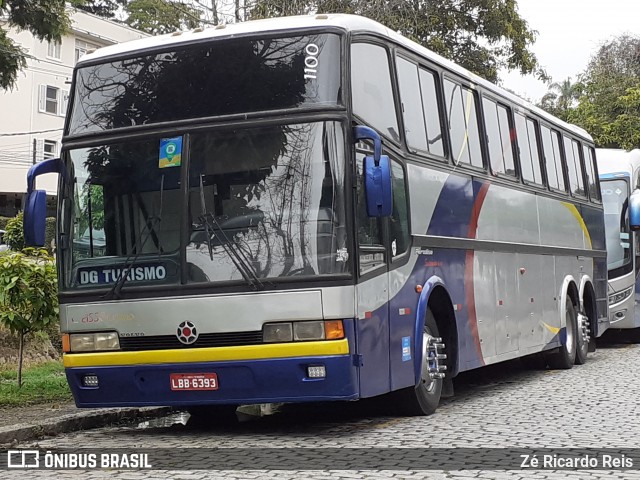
569, 33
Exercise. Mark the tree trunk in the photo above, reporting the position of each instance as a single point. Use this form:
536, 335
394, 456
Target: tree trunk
20, 353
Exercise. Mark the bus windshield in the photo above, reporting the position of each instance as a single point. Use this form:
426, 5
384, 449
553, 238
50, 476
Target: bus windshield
615, 198
207, 80
261, 203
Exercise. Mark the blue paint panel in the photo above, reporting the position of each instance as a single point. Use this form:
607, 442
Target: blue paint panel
241, 382
373, 345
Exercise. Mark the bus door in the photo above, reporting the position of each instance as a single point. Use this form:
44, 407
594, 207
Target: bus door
372, 296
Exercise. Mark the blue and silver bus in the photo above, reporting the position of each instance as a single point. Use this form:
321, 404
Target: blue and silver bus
310, 209
619, 177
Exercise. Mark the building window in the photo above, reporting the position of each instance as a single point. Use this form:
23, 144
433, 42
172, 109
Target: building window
53, 50
53, 100
49, 149
82, 48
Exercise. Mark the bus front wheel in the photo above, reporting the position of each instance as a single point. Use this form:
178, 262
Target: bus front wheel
423, 399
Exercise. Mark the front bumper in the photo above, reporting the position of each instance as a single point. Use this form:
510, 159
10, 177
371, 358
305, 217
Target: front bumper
270, 380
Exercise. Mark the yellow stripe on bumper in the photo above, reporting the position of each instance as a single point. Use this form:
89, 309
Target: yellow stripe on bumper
215, 354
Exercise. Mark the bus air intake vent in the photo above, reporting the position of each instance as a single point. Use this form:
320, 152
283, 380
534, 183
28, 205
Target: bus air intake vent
167, 342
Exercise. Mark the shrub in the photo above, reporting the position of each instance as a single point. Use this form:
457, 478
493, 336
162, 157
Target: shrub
14, 234
28, 294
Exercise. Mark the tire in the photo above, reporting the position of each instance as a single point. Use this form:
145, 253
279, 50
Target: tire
582, 344
564, 357
423, 399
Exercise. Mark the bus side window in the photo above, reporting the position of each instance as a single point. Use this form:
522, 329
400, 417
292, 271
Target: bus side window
414, 124
496, 120
399, 226
528, 149
463, 124
574, 167
371, 88
592, 178
553, 168
370, 241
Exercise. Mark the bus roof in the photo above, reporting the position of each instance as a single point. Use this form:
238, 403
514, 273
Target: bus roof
350, 23
612, 161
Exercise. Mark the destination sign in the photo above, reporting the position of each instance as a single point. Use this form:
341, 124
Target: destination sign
104, 274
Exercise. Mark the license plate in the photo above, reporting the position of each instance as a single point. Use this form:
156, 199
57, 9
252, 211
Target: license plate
193, 381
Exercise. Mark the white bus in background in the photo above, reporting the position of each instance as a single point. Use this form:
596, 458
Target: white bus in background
618, 171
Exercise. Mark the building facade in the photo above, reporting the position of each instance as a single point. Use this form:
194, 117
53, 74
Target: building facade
33, 112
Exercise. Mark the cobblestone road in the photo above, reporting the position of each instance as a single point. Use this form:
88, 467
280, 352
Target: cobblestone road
506, 406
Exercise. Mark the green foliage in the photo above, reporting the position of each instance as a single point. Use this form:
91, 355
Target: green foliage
161, 16
46, 20
14, 235
28, 291
483, 36
3, 222
102, 8
42, 383
609, 108
561, 98
28, 294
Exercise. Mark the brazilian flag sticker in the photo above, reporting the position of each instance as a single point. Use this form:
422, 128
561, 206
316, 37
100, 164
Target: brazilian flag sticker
170, 152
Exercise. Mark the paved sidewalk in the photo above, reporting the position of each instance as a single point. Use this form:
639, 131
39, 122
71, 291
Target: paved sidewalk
19, 424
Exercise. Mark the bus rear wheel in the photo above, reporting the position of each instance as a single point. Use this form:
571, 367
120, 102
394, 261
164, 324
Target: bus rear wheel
564, 357
582, 339
423, 399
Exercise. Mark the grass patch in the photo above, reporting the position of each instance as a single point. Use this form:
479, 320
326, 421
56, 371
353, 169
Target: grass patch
41, 383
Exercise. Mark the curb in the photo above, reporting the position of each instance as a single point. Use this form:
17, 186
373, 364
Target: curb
77, 421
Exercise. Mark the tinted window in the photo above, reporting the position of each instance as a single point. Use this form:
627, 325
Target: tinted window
535, 154
553, 175
496, 119
371, 88
399, 224
528, 148
574, 167
432, 113
414, 125
555, 140
463, 124
592, 178
219, 78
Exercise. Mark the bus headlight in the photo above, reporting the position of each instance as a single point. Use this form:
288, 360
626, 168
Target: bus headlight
302, 331
620, 296
93, 342
308, 331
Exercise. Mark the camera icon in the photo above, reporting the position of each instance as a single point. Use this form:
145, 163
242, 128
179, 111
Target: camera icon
23, 459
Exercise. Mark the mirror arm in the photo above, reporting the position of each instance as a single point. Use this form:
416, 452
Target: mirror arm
365, 133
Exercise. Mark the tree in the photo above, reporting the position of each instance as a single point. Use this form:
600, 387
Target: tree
161, 16
561, 97
28, 294
609, 108
102, 8
483, 36
45, 20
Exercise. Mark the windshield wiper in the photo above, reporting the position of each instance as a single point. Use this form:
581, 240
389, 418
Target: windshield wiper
149, 227
233, 251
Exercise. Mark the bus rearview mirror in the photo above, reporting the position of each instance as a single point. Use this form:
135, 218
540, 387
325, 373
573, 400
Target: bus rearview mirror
377, 175
35, 210
35, 214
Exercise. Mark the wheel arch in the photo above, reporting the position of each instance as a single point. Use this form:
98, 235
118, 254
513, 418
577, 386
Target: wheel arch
568, 290
588, 302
